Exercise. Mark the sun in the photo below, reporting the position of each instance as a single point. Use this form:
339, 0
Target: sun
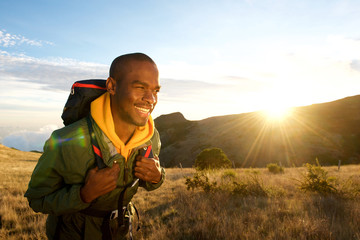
277, 112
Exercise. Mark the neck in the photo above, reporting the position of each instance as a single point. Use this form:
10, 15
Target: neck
123, 130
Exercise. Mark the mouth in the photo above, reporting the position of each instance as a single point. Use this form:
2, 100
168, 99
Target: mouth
144, 111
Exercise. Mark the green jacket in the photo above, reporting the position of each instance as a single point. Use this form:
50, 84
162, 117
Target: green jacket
55, 184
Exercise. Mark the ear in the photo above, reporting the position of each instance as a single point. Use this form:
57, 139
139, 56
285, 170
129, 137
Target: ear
111, 85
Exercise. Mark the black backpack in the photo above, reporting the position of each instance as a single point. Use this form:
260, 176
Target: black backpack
77, 106
82, 93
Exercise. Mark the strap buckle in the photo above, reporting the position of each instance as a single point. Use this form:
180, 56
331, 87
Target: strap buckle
114, 214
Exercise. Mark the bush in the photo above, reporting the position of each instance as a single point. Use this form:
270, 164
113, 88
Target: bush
251, 186
228, 175
316, 180
275, 168
200, 180
212, 158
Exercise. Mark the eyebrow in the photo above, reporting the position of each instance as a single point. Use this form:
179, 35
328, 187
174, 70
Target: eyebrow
144, 84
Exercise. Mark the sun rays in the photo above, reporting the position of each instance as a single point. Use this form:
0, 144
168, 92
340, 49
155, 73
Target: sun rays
281, 137
277, 113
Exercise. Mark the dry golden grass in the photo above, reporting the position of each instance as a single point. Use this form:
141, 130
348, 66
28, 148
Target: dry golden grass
18, 221
173, 212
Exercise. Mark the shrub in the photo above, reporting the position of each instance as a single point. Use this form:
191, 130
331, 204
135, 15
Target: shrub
252, 187
200, 180
275, 168
228, 175
316, 180
212, 158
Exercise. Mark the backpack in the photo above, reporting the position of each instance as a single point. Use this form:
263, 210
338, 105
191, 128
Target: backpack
82, 93
77, 106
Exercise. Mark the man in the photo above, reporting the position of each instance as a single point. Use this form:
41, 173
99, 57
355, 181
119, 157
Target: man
80, 198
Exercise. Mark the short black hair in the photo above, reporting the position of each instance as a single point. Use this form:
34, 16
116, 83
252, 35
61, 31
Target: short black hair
117, 66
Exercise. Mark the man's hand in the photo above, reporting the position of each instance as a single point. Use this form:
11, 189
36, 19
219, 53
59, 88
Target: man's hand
99, 182
148, 169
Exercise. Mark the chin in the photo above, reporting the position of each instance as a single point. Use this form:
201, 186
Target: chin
140, 123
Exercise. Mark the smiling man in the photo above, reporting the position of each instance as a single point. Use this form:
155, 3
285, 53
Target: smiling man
83, 201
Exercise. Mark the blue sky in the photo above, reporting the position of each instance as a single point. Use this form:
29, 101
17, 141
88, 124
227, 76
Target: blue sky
215, 57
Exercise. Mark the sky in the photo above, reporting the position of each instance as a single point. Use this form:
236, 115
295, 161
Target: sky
214, 57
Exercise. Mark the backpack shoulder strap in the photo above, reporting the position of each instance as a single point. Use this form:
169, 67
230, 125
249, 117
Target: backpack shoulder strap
95, 146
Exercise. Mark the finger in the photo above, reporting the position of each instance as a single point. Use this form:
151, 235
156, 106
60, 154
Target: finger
140, 176
144, 162
115, 167
140, 170
149, 163
144, 169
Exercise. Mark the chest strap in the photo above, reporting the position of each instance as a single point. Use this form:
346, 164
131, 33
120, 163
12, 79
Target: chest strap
95, 146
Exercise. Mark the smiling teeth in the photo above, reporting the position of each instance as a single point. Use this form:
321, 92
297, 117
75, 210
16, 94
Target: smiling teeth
144, 110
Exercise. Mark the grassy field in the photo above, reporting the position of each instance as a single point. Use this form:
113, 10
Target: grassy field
273, 207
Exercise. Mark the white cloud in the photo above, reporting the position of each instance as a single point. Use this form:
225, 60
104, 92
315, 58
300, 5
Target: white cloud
33, 91
296, 73
9, 40
54, 73
29, 140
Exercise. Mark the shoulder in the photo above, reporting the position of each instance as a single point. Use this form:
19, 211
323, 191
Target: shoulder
75, 132
155, 141
156, 136
69, 149
77, 128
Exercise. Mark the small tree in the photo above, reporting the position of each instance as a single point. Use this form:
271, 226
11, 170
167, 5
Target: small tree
212, 158
316, 180
275, 168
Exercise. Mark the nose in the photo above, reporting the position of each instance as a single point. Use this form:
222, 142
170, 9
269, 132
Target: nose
150, 97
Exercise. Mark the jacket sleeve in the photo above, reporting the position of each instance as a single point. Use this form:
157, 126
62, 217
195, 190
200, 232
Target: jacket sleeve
47, 191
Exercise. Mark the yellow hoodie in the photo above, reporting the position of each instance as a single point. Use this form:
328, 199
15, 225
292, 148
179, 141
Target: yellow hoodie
101, 113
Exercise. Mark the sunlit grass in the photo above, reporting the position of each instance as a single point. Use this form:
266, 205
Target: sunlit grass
285, 212
18, 221
172, 212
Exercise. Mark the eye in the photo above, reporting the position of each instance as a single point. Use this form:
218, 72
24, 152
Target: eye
140, 87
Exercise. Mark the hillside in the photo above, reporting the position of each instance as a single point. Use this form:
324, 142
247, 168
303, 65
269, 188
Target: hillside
328, 131
14, 156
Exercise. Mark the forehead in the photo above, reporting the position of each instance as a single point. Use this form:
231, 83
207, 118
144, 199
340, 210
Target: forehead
140, 72
136, 66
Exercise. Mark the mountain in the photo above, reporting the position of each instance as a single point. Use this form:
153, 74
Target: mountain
327, 131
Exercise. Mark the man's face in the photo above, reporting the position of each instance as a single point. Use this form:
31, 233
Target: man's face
135, 93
